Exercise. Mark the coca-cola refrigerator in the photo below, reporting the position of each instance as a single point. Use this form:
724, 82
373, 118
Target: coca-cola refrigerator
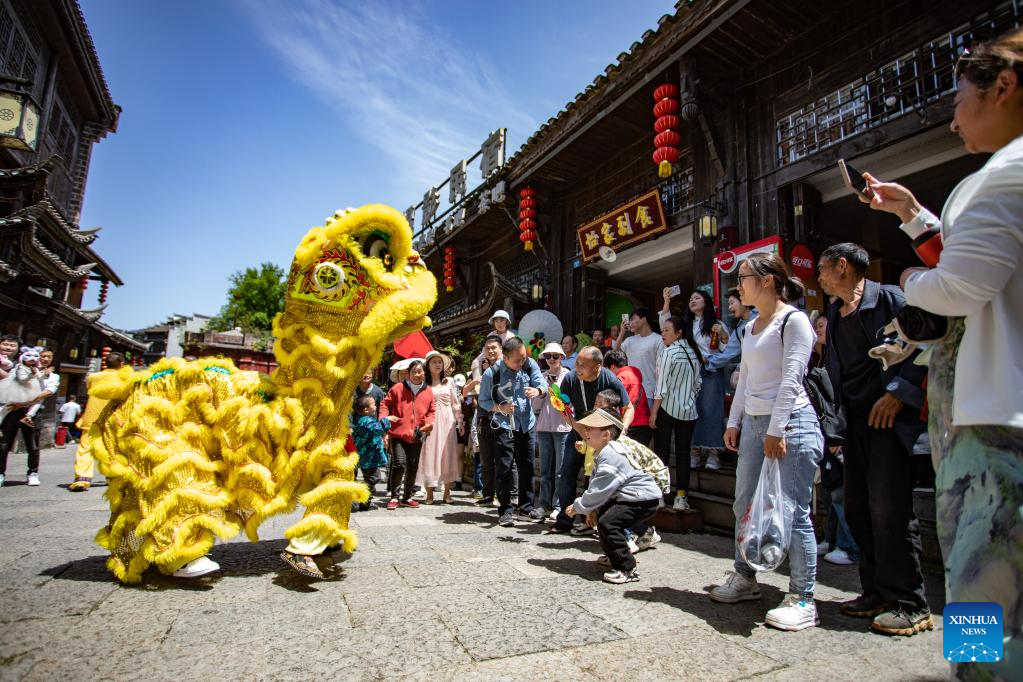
799, 259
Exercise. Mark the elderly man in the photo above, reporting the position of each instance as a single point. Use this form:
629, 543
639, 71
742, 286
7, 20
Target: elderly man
582, 385
506, 390
569, 344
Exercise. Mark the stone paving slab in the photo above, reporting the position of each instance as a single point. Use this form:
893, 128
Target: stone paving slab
436, 593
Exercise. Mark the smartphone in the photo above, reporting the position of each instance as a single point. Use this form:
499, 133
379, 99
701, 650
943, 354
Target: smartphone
625, 318
853, 179
675, 291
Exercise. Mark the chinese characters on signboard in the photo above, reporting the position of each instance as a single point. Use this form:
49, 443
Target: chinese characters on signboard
491, 156
628, 224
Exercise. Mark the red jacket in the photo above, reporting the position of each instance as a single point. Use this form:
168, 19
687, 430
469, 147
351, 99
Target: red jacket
412, 413
632, 379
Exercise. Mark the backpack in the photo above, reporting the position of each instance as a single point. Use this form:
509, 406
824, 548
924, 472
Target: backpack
818, 387
645, 459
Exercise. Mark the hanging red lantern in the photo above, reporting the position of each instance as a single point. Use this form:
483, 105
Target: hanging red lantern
449, 268
83, 283
667, 140
104, 288
527, 217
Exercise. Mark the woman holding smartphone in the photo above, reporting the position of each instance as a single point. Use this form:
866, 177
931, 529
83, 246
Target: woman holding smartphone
974, 375
771, 416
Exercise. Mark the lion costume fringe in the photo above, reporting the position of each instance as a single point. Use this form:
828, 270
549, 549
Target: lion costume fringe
195, 451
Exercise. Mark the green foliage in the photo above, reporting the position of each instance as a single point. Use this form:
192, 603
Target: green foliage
254, 298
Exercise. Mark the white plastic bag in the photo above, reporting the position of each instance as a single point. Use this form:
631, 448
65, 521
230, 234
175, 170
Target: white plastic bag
766, 527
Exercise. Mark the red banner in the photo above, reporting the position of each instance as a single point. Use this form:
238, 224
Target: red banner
626, 225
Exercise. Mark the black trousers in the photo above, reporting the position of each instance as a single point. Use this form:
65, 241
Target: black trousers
682, 430
641, 434
487, 463
879, 510
612, 520
403, 468
9, 429
514, 449
371, 476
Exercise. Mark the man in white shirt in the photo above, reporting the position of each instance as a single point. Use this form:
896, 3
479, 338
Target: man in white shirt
69, 412
22, 420
642, 347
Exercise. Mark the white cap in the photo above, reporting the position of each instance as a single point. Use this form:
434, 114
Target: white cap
552, 348
500, 313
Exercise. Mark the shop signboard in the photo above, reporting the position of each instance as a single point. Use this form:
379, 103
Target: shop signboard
726, 266
626, 225
801, 262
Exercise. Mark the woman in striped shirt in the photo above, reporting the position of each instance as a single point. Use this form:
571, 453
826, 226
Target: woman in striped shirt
674, 410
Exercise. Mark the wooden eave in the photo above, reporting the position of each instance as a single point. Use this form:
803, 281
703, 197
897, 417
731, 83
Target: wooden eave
478, 314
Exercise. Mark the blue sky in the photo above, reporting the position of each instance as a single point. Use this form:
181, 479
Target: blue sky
248, 121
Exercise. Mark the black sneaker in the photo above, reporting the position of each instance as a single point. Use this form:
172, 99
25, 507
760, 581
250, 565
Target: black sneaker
507, 519
580, 529
538, 515
524, 515
864, 606
900, 620
485, 501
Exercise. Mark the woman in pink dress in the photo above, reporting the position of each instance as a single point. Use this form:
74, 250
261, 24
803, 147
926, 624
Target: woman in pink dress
439, 463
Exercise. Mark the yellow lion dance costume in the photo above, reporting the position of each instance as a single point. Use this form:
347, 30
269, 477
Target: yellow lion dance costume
193, 451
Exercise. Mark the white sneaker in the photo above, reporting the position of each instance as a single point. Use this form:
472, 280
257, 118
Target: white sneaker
2, 479
419, 495
633, 547
33, 479
823, 547
681, 503
694, 461
194, 569
736, 588
838, 556
713, 463
648, 539
794, 613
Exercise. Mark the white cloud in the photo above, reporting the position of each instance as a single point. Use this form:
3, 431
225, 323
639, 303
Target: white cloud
401, 83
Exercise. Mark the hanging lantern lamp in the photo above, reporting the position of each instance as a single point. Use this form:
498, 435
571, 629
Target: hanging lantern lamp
527, 217
449, 268
666, 140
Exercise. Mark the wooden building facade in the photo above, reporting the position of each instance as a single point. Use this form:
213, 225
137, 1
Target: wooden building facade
49, 68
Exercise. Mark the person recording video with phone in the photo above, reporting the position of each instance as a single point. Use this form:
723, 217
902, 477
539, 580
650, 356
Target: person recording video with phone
975, 373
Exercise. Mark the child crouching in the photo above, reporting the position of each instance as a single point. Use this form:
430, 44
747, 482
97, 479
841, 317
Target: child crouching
619, 495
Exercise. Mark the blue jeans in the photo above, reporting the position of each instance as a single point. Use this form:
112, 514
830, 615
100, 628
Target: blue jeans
710, 408
571, 462
477, 478
551, 445
804, 450
844, 540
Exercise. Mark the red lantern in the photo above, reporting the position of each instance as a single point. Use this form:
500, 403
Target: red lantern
667, 140
83, 283
527, 217
104, 288
449, 268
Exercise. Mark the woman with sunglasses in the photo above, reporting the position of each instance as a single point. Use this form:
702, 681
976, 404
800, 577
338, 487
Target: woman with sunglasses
975, 373
551, 432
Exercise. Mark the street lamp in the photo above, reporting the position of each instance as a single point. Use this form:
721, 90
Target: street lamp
536, 291
19, 117
708, 228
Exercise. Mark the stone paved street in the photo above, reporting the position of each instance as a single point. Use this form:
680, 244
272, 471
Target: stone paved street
441, 593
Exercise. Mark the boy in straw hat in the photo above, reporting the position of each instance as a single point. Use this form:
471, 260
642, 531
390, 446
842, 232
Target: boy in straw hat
619, 495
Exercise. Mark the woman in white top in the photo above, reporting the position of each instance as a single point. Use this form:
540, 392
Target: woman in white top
974, 375
777, 421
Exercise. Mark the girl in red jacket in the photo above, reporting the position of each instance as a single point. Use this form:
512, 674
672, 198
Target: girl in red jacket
409, 407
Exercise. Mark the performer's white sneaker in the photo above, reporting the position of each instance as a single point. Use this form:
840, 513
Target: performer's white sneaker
199, 567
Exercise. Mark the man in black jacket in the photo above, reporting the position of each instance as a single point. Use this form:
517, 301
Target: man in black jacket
883, 412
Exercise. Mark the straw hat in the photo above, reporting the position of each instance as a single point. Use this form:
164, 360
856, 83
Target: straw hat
401, 365
600, 418
449, 364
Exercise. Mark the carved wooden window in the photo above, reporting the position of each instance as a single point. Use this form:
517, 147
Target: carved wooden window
19, 49
901, 86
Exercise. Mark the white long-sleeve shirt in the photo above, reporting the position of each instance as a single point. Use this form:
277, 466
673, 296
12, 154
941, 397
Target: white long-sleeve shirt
980, 277
771, 371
